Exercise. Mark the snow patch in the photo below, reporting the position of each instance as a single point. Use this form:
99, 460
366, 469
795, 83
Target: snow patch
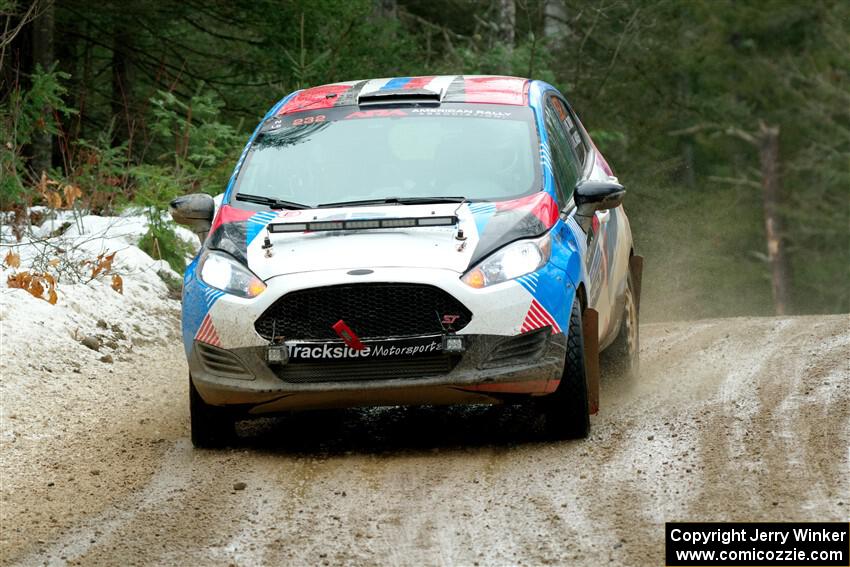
35, 334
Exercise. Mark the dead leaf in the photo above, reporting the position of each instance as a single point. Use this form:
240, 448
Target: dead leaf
12, 260
54, 262
102, 264
118, 284
34, 285
51, 292
19, 280
97, 266
107, 262
72, 193
42, 185
54, 200
35, 288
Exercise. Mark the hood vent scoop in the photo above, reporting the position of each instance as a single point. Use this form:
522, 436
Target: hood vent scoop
400, 96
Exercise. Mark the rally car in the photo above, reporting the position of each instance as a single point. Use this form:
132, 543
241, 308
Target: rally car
416, 240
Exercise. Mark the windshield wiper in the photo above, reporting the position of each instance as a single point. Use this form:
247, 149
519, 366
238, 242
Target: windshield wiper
271, 202
395, 201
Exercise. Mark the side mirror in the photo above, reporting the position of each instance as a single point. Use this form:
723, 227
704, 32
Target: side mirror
592, 196
194, 211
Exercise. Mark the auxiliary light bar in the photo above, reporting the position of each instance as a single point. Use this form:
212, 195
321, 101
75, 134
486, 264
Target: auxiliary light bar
369, 224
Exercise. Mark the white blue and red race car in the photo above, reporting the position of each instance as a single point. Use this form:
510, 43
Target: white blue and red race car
417, 240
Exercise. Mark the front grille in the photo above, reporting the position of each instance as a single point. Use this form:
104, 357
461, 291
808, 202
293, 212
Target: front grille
302, 372
221, 362
372, 310
521, 348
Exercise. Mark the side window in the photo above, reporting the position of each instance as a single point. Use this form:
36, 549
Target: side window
564, 162
570, 122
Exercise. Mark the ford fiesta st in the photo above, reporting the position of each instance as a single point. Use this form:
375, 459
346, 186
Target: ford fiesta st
417, 240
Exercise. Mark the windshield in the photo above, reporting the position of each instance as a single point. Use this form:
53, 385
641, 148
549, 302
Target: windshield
480, 152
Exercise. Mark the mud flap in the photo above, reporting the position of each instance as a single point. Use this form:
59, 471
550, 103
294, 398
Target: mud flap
590, 324
636, 269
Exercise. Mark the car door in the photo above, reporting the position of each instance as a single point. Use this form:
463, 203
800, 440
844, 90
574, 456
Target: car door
571, 161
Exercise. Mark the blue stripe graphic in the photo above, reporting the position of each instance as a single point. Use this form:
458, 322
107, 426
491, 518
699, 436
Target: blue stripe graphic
482, 212
529, 282
257, 223
397, 83
198, 299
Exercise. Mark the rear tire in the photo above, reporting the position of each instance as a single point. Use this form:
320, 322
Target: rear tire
624, 352
566, 410
212, 426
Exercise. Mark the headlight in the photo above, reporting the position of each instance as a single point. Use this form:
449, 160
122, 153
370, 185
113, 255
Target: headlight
222, 271
512, 261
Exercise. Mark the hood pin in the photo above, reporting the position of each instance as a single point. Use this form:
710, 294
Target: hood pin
267, 246
462, 238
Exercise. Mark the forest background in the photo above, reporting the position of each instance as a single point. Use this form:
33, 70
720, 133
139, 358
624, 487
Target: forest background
728, 122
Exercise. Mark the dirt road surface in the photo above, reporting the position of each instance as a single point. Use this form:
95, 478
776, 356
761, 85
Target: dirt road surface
735, 419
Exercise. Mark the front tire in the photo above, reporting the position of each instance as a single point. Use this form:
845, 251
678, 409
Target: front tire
212, 426
566, 411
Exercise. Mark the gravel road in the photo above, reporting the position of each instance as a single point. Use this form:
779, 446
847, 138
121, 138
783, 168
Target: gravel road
733, 419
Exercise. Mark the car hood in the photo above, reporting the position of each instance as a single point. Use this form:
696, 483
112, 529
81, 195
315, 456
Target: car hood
482, 228
421, 247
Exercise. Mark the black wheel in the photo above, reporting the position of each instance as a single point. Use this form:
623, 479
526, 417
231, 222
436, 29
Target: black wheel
566, 410
624, 352
212, 426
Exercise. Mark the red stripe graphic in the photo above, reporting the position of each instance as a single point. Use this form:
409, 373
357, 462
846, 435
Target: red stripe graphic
540, 204
202, 332
226, 214
537, 317
549, 320
314, 99
496, 90
542, 316
418, 82
207, 333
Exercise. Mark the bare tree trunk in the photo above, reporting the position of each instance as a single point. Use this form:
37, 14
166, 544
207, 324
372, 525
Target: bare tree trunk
555, 22
121, 84
506, 17
385, 9
42, 49
82, 96
768, 146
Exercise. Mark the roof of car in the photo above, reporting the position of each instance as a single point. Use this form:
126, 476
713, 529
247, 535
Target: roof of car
481, 89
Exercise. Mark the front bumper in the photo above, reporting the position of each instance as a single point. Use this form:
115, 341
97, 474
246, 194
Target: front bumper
227, 356
491, 369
